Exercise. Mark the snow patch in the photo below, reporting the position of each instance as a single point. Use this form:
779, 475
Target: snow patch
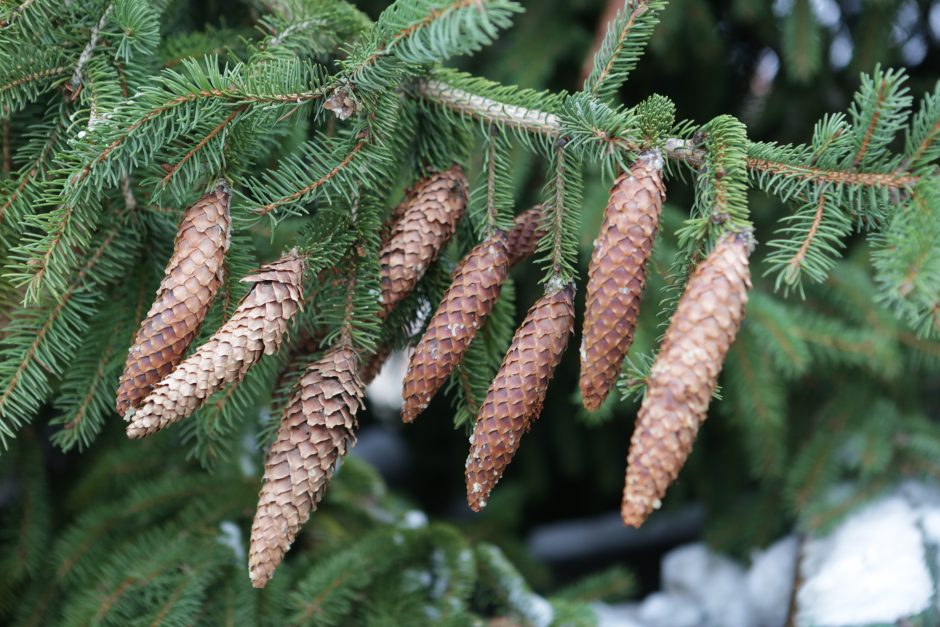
230, 535
871, 569
414, 519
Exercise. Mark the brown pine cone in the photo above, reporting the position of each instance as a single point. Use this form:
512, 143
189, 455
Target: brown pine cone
257, 327
428, 222
475, 286
685, 373
514, 399
522, 239
317, 429
371, 369
617, 275
190, 281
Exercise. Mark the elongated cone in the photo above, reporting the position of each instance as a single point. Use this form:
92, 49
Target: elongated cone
256, 328
514, 399
524, 236
190, 281
475, 286
318, 427
427, 223
617, 275
685, 373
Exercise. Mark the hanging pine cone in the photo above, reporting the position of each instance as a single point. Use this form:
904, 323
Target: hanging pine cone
317, 429
257, 327
685, 373
522, 238
475, 286
428, 222
514, 399
190, 281
617, 275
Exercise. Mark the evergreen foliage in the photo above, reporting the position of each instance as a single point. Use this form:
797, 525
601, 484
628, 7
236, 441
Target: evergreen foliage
119, 113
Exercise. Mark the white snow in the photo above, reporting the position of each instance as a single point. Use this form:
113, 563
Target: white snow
716, 583
666, 609
770, 580
871, 569
621, 615
230, 535
385, 390
414, 519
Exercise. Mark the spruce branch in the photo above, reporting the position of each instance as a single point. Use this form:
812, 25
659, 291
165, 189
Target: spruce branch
622, 47
313, 186
536, 121
75, 83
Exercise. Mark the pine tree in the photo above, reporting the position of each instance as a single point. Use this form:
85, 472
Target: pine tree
379, 190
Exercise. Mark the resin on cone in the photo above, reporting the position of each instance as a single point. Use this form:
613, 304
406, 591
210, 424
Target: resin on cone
474, 289
685, 373
317, 429
255, 329
428, 221
617, 275
515, 396
191, 279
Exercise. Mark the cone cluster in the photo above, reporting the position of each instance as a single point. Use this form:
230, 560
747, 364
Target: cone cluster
617, 275
317, 429
190, 281
475, 286
429, 217
256, 328
685, 374
515, 396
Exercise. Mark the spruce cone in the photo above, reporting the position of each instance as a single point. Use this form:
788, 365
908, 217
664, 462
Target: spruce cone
514, 400
317, 429
617, 275
257, 327
473, 291
522, 239
684, 375
190, 281
428, 222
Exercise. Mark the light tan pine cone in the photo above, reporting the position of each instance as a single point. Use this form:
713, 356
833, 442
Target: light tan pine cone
257, 327
318, 427
514, 399
617, 275
685, 374
417, 238
475, 286
522, 238
190, 281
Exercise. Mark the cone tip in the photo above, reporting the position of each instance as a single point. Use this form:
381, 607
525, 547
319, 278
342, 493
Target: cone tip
135, 432
258, 579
